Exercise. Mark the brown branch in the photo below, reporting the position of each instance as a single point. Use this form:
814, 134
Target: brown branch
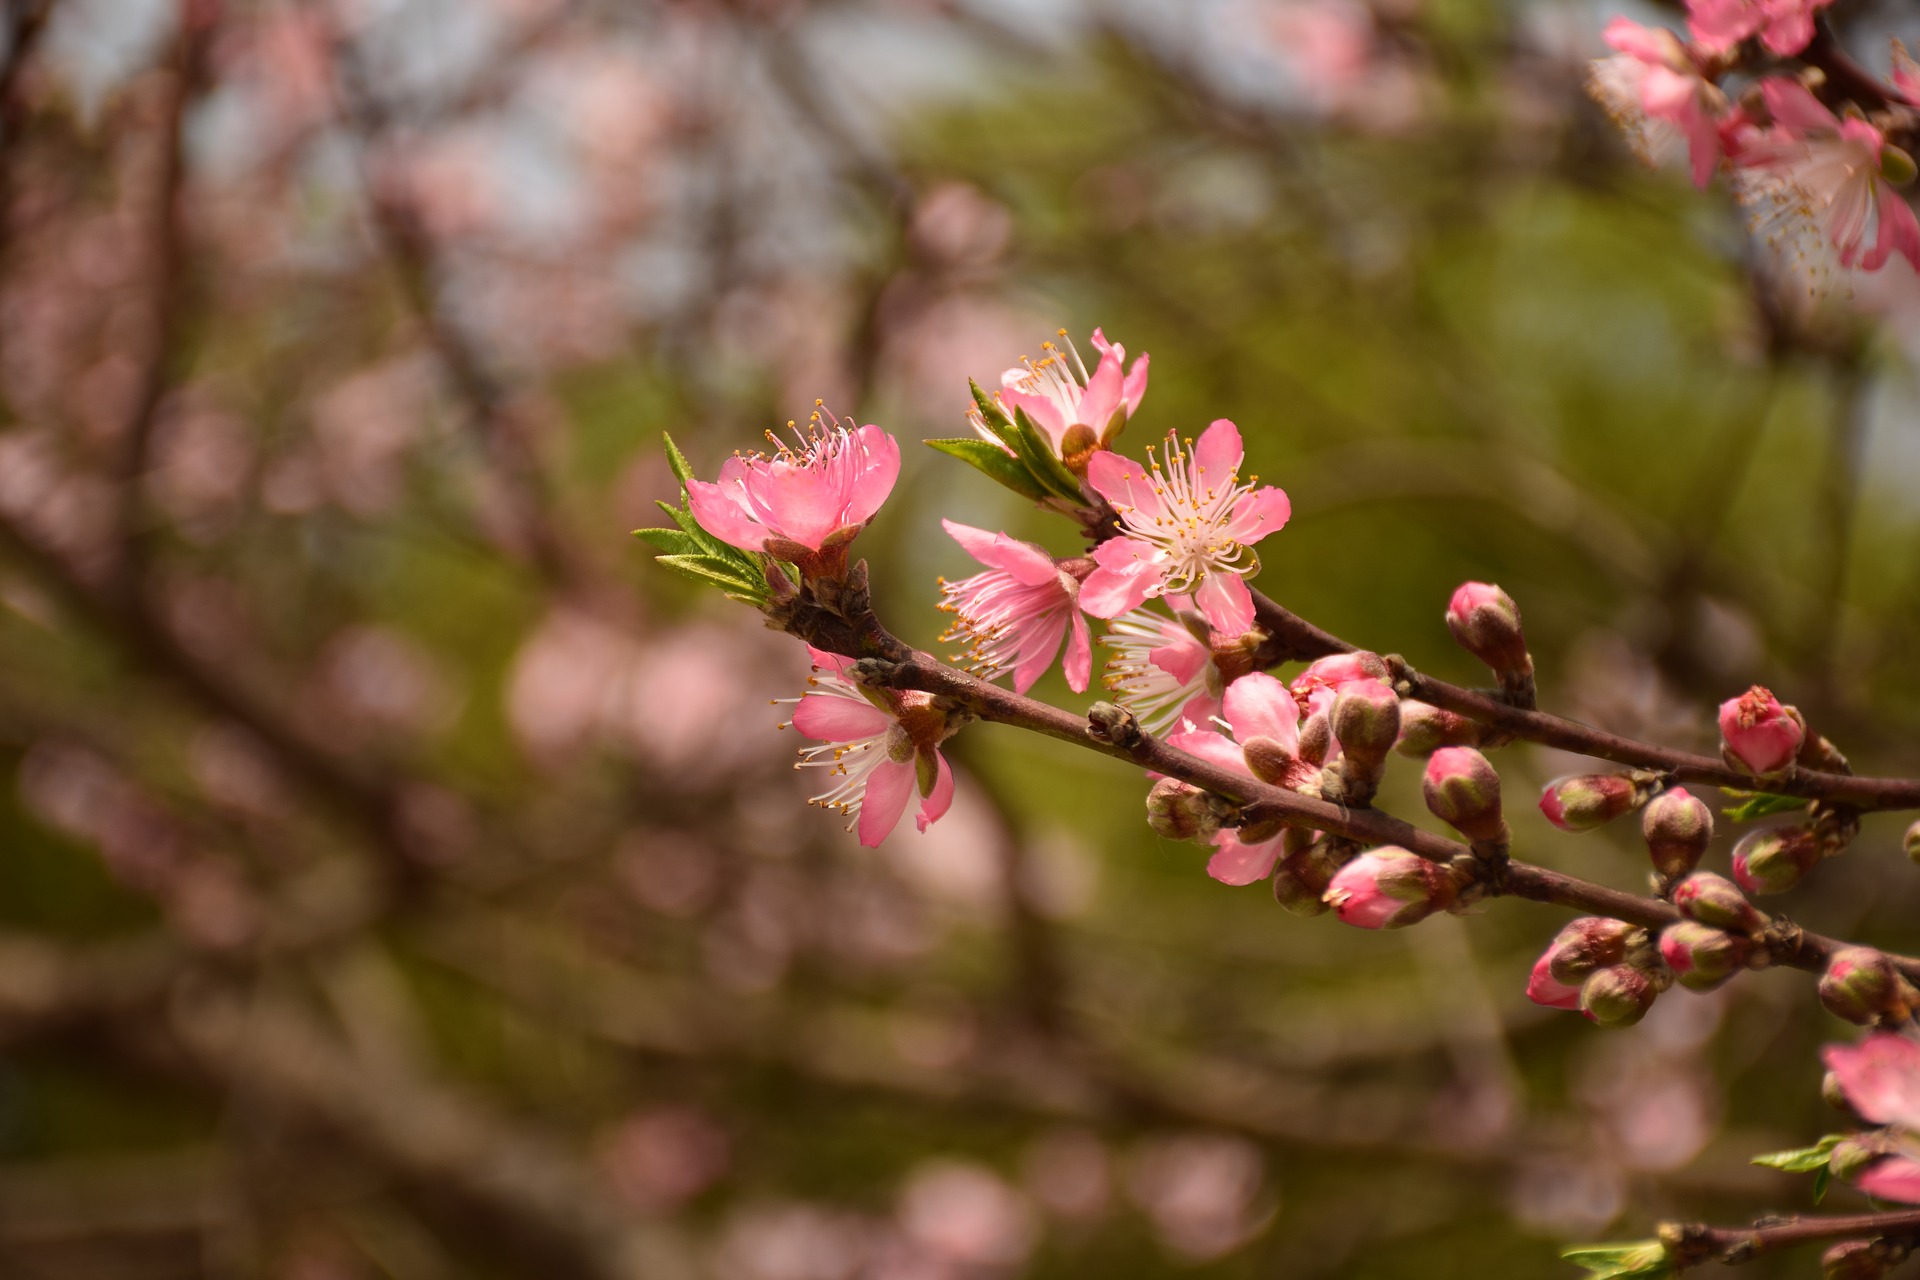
1691, 1243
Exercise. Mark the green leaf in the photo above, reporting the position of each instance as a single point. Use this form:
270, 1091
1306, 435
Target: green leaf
994, 416
1802, 1159
717, 572
1821, 1181
707, 544
1638, 1258
672, 542
1038, 455
995, 462
682, 470
1760, 804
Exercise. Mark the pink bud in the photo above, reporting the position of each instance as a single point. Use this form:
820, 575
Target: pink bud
1424, 729
1366, 719
1589, 943
1486, 622
1701, 956
1389, 888
1857, 1260
1618, 997
1678, 827
1860, 984
1581, 802
1775, 860
1759, 734
1463, 791
1544, 988
1717, 901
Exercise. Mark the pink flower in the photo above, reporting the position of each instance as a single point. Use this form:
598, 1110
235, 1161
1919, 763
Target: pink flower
1758, 732
1656, 94
1389, 888
882, 744
803, 505
1189, 528
1015, 615
1059, 395
1266, 723
1163, 669
1784, 26
1811, 165
1317, 685
1881, 1080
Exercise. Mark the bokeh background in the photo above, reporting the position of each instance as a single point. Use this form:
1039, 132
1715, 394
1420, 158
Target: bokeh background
401, 876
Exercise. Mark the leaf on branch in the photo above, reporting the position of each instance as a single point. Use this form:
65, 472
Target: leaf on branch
671, 542
995, 462
682, 470
1760, 804
1802, 1159
715, 572
1607, 1261
1821, 1181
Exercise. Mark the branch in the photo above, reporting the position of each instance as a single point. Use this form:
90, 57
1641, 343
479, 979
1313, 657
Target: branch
1695, 1242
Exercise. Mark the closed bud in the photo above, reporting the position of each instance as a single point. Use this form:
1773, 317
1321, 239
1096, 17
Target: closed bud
1678, 827
1861, 984
1855, 1260
1544, 988
1366, 720
1486, 623
1701, 956
1316, 739
1854, 1156
1912, 843
1389, 888
1272, 762
1300, 880
1717, 901
1775, 860
1759, 734
1463, 791
1589, 943
1425, 728
1583, 801
1618, 997
1182, 811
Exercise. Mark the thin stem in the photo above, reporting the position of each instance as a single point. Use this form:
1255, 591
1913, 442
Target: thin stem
1696, 1242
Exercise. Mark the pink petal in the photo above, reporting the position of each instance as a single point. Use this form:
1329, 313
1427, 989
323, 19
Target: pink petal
1079, 664
1237, 864
1124, 483
1215, 748
1102, 395
1259, 706
827, 718
1899, 229
716, 511
1653, 45
1125, 578
802, 503
880, 468
1183, 659
1045, 414
1217, 455
1881, 1078
1895, 1178
1791, 105
1039, 641
1136, 386
1224, 598
1257, 514
888, 787
940, 799
1790, 29
1028, 564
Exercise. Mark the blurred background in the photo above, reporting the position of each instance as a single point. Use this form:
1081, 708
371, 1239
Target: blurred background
401, 876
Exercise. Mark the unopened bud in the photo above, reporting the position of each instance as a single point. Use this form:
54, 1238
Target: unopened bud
1316, 738
1463, 791
1583, 801
1855, 1260
1425, 728
1717, 901
1587, 944
1390, 888
1774, 860
1486, 623
1678, 827
1912, 843
1759, 734
1854, 1156
1701, 956
1618, 997
1860, 985
1544, 988
1181, 811
1300, 880
1366, 720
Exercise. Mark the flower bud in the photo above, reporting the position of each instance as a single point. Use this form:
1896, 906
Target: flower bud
1854, 1260
1860, 984
1701, 956
1586, 944
1759, 734
1316, 739
1583, 801
1181, 811
1425, 728
1717, 901
1774, 860
1300, 880
1678, 827
1912, 843
1463, 791
1618, 996
1544, 988
1854, 1156
1486, 623
1366, 720
1389, 888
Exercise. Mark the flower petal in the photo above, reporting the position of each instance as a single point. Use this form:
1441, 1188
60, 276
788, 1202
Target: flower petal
879, 463
888, 787
716, 511
1895, 1178
1215, 748
940, 799
1128, 573
1237, 864
1257, 514
1217, 455
1259, 706
1026, 563
1224, 598
1126, 484
1880, 1077
1079, 664
825, 717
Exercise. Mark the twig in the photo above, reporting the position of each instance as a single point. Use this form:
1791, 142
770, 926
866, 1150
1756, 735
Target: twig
1691, 1243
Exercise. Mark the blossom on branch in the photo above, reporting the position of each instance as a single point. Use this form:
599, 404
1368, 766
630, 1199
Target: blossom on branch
1163, 668
805, 503
1265, 744
880, 744
1881, 1080
1785, 27
1654, 91
1189, 524
1076, 411
1014, 616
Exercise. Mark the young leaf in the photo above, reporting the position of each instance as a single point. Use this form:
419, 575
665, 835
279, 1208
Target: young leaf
682, 470
715, 573
1821, 1181
1759, 804
1608, 1261
1038, 455
1803, 1159
994, 416
995, 462
671, 542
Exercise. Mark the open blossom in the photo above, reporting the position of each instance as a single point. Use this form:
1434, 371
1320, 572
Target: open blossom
1812, 168
1058, 394
1265, 722
1881, 1080
1656, 94
1758, 732
805, 503
1321, 681
1189, 524
879, 746
1784, 26
1015, 615
1163, 669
